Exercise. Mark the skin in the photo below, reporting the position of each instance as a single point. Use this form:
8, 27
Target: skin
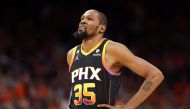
118, 55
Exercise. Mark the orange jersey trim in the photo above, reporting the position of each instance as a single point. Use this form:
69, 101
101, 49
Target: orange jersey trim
104, 60
72, 58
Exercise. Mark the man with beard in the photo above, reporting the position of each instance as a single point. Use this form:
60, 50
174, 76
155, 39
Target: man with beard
95, 66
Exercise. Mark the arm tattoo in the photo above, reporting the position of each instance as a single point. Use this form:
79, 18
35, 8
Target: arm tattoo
147, 85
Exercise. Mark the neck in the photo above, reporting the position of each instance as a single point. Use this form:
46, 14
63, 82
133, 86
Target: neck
89, 43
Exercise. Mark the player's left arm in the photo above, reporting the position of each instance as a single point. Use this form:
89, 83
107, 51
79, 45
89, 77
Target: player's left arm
153, 76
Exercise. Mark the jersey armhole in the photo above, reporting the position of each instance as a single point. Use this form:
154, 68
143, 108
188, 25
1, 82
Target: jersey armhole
104, 61
72, 58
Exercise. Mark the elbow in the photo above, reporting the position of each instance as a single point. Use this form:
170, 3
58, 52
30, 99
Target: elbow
156, 75
160, 76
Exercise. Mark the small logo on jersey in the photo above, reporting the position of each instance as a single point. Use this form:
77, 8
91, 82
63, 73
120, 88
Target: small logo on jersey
97, 53
97, 50
77, 57
77, 51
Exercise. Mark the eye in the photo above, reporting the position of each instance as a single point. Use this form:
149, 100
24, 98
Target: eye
90, 18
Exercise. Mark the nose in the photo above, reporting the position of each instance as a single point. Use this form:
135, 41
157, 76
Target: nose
83, 21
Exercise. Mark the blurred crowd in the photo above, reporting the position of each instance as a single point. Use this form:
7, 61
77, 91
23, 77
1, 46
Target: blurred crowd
36, 35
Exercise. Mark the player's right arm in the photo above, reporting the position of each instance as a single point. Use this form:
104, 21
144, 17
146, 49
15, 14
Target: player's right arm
69, 56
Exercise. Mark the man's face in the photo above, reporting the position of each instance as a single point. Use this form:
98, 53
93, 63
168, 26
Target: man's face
89, 23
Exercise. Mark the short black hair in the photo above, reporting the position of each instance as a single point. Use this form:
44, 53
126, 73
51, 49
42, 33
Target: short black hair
103, 18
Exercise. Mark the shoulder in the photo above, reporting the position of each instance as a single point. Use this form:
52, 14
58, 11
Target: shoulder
118, 51
115, 47
69, 54
70, 51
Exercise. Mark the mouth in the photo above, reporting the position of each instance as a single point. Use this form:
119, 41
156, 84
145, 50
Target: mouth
81, 28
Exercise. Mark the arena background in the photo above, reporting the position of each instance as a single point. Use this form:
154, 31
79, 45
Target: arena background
35, 36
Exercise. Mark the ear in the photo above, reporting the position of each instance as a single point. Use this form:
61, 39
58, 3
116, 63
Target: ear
102, 29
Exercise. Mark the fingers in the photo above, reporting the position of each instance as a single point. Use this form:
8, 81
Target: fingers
105, 105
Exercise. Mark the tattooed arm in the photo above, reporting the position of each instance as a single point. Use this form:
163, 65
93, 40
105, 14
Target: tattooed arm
153, 76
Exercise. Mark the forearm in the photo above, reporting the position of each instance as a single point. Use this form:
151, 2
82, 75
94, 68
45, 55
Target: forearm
149, 85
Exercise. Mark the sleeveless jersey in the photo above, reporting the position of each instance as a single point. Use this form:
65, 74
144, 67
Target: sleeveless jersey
92, 82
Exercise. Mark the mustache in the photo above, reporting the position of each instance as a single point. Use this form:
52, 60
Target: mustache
81, 35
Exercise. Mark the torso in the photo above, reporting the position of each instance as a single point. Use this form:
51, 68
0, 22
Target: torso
92, 81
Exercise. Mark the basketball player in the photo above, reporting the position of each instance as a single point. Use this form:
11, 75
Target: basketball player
95, 66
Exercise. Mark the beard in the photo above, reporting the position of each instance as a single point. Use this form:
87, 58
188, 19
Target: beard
80, 35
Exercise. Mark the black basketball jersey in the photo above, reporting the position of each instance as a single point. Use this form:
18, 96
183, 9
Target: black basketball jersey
92, 82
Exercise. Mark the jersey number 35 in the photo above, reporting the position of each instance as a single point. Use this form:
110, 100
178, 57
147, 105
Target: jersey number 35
82, 95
